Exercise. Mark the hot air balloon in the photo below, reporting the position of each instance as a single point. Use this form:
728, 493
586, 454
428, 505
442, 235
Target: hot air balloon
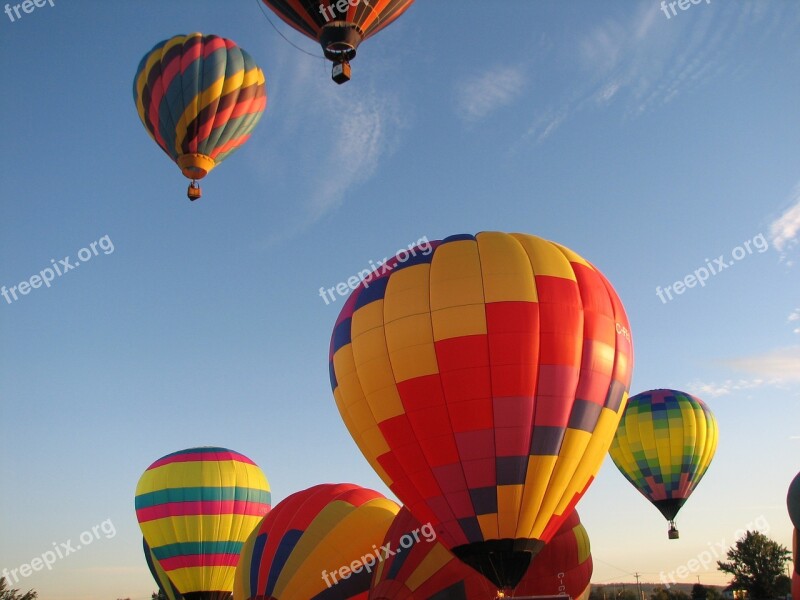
664, 445
199, 97
484, 380
317, 544
424, 569
793, 501
165, 586
339, 25
196, 507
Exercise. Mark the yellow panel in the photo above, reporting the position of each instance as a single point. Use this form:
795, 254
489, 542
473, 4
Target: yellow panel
407, 293
536, 479
488, 525
385, 403
348, 540
506, 270
366, 318
563, 486
161, 532
456, 275
594, 455
437, 558
545, 257
509, 498
411, 349
573, 257
459, 321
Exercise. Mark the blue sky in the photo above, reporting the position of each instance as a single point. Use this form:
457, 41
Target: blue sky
650, 145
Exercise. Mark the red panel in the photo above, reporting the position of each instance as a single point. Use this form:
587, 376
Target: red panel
397, 431
475, 444
471, 415
429, 422
513, 441
461, 503
440, 450
468, 384
557, 290
421, 392
480, 472
450, 477
512, 317
514, 411
462, 352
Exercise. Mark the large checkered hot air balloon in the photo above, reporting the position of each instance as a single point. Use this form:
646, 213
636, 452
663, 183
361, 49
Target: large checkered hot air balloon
339, 25
199, 97
196, 508
664, 445
483, 377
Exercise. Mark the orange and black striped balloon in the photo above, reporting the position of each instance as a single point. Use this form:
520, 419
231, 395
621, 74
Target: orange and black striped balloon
483, 377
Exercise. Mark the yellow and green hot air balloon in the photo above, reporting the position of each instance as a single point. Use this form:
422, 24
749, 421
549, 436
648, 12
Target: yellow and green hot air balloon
663, 446
196, 508
199, 97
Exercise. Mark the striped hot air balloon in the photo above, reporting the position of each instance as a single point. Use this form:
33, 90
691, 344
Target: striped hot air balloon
339, 25
420, 568
484, 380
196, 508
317, 544
664, 445
199, 97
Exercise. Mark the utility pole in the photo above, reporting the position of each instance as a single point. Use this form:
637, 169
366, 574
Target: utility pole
639, 585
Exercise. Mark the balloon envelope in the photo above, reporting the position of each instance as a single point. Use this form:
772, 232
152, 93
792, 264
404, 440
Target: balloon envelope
793, 501
199, 97
301, 547
664, 445
338, 26
423, 569
196, 507
483, 377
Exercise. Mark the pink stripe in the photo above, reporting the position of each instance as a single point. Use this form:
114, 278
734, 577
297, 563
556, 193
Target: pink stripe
185, 509
199, 560
201, 456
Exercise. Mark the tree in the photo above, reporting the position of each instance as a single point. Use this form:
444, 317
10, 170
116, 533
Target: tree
756, 563
9, 594
699, 592
159, 595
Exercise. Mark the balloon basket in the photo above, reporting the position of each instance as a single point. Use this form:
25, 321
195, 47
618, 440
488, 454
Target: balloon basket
673, 533
341, 72
194, 191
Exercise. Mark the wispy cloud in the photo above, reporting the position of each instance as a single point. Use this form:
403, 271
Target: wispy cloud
353, 127
781, 364
794, 316
785, 230
482, 94
637, 60
723, 388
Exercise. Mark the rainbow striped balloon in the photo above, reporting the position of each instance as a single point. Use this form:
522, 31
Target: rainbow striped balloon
196, 508
199, 97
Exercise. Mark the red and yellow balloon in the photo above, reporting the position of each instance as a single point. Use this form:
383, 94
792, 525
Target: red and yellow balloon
483, 378
315, 545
